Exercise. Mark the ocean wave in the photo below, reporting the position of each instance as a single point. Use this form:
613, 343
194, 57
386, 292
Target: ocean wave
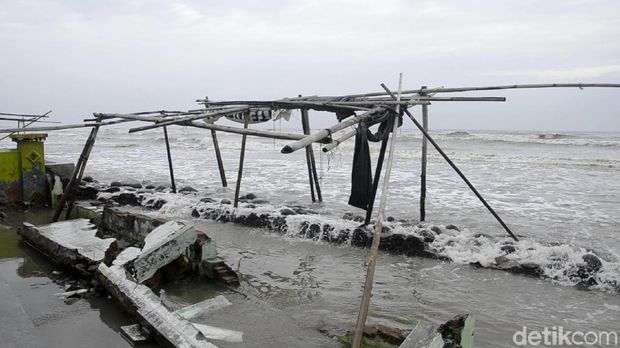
562, 264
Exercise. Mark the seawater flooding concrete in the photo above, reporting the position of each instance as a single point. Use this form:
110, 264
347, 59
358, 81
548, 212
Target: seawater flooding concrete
31, 315
74, 245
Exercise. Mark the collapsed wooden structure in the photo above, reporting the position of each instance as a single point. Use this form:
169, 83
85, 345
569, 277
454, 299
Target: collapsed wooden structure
366, 109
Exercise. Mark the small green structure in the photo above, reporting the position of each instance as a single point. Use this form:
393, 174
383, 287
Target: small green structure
22, 170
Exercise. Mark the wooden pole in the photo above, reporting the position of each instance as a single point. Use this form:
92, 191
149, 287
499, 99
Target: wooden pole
218, 157
61, 127
325, 133
374, 248
483, 88
455, 168
424, 158
184, 119
250, 132
172, 182
67, 196
375, 184
336, 142
312, 170
241, 158
304, 120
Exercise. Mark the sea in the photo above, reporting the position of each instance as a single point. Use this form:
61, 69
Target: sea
558, 191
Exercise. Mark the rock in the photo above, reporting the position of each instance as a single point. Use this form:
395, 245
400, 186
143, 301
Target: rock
88, 179
388, 334
112, 189
436, 229
593, 263
87, 192
452, 227
451, 330
353, 217
250, 196
287, 211
508, 249
390, 219
187, 189
259, 201
361, 237
403, 244
225, 201
207, 200
131, 183
195, 213
150, 187
428, 236
115, 184
126, 198
161, 188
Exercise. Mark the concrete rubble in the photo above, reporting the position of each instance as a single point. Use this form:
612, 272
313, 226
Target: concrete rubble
130, 270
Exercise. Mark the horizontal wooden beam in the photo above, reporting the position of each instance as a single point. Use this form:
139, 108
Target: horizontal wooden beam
325, 133
245, 131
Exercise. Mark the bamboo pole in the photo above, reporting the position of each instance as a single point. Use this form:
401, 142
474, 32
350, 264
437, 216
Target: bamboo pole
456, 169
172, 182
338, 141
314, 176
26, 115
249, 132
186, 118
304, 119
76, 177
241, 158
62, 127
375, 184
424, 158
482, 88
322, 134
218, 157
374, 249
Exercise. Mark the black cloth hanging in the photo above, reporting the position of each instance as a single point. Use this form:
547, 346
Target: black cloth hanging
361, 174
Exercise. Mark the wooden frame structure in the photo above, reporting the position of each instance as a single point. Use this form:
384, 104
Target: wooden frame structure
357, 108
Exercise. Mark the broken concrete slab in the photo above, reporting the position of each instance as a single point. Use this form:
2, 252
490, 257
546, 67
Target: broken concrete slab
456, 332
70, 243
216, 333
129, 226
134, 333
203, 307
162, 246
141, 300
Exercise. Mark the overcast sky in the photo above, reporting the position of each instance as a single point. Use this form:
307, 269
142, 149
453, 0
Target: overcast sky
79, 57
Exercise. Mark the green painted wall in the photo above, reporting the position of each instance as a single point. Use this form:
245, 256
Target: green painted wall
32, 158
10, 176
22, 171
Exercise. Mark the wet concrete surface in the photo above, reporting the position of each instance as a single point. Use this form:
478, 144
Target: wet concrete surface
31, 315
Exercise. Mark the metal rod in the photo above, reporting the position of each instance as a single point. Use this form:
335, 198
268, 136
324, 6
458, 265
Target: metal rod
172, 182
218, 157
424, 159
456, 169
241, 158
374, 248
